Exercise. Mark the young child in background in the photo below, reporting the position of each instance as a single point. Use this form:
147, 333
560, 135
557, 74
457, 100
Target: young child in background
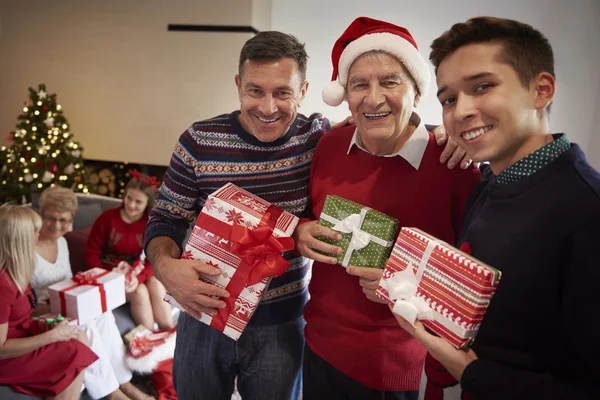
48, 364
117, 236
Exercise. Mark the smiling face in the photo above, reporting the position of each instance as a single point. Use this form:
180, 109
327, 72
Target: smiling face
134, 204
381, 96
55, 223
270, 93
486, 108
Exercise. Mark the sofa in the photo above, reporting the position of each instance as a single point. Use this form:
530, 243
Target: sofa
90, 206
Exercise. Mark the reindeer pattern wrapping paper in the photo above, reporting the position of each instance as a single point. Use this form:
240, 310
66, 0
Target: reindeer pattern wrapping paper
244, 236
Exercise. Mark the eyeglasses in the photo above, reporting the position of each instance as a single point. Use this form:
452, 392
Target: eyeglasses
62, 221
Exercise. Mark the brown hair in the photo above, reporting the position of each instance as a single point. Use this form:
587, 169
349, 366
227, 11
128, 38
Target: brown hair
58, 198
272, 46
526, 49
144, 188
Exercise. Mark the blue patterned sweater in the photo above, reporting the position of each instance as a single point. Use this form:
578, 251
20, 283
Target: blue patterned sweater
213, 152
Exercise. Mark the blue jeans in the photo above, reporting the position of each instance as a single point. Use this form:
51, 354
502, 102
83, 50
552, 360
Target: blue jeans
267, 361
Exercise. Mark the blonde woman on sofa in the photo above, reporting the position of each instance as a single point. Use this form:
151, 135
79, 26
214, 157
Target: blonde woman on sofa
109, 376
48, 364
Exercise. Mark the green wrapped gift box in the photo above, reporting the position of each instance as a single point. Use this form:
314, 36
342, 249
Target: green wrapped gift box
367, 235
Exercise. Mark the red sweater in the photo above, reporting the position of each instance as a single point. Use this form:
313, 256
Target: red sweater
112, 240
357, 336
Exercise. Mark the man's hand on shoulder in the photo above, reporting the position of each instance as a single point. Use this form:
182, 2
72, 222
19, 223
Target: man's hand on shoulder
453, 155
347, 121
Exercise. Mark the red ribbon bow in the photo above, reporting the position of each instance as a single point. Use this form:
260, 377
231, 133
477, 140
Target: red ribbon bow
84, 278
142, 345
259, 251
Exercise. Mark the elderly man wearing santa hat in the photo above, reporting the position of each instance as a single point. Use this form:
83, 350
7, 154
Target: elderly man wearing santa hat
388, 162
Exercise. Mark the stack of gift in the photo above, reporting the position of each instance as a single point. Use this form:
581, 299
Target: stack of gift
367, 235
429, 280
45, 322
88, 294
244, 236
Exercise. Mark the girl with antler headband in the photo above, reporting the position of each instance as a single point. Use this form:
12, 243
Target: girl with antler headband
117, 239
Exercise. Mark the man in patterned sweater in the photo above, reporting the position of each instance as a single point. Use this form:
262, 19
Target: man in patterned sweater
266, 148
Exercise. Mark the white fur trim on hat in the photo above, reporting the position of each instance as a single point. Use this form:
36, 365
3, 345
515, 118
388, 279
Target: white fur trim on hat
333, 94
395, 45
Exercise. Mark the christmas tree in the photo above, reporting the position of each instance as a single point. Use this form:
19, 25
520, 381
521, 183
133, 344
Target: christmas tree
42, 152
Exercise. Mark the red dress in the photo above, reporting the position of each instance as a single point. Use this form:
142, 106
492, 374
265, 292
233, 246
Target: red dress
113, 240
48, 370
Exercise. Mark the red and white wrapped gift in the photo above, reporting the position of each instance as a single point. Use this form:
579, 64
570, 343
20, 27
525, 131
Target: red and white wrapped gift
45, 322
244, 236
88, 294
146, 349
131, 271
446, 289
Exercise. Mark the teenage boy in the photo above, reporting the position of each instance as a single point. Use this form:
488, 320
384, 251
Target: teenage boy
535, 216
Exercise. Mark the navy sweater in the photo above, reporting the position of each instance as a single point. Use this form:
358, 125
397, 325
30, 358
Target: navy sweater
539, 339
213, 152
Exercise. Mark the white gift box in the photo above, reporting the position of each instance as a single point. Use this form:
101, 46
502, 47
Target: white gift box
88, 294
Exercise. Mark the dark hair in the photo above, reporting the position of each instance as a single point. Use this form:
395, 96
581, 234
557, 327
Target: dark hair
272, 46
526, 49
144, 188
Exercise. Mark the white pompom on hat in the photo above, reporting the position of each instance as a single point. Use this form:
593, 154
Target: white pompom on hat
367, 34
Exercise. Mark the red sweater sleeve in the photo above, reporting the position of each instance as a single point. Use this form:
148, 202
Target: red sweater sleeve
96, 241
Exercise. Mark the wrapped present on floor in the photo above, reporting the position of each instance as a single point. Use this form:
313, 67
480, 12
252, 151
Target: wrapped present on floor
446, 289
367, 235
88, 294
45, 322
244, 236
147, 349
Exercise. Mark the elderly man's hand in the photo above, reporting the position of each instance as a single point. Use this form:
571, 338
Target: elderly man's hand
369, 281
453, 154
341, 124
306, 240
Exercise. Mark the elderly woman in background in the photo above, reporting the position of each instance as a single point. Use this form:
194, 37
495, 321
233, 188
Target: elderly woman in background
109, 376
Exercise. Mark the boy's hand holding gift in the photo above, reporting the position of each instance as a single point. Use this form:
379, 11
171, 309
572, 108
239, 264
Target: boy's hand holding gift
432, 286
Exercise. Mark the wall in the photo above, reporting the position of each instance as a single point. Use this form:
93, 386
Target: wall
128, 87
593, 153
572, 28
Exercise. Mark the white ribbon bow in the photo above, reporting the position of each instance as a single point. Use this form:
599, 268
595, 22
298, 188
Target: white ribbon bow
402, 287
351, 224
360, 239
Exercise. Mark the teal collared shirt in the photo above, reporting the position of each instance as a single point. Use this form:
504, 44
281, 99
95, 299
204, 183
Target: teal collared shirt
535, 161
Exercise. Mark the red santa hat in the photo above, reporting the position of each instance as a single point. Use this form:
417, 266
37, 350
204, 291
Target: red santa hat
367, 34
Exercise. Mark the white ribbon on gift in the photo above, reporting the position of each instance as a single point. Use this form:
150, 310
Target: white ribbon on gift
352, 224
402, 288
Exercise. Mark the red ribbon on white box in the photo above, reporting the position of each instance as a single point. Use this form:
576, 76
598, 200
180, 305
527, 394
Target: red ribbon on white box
82, 279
